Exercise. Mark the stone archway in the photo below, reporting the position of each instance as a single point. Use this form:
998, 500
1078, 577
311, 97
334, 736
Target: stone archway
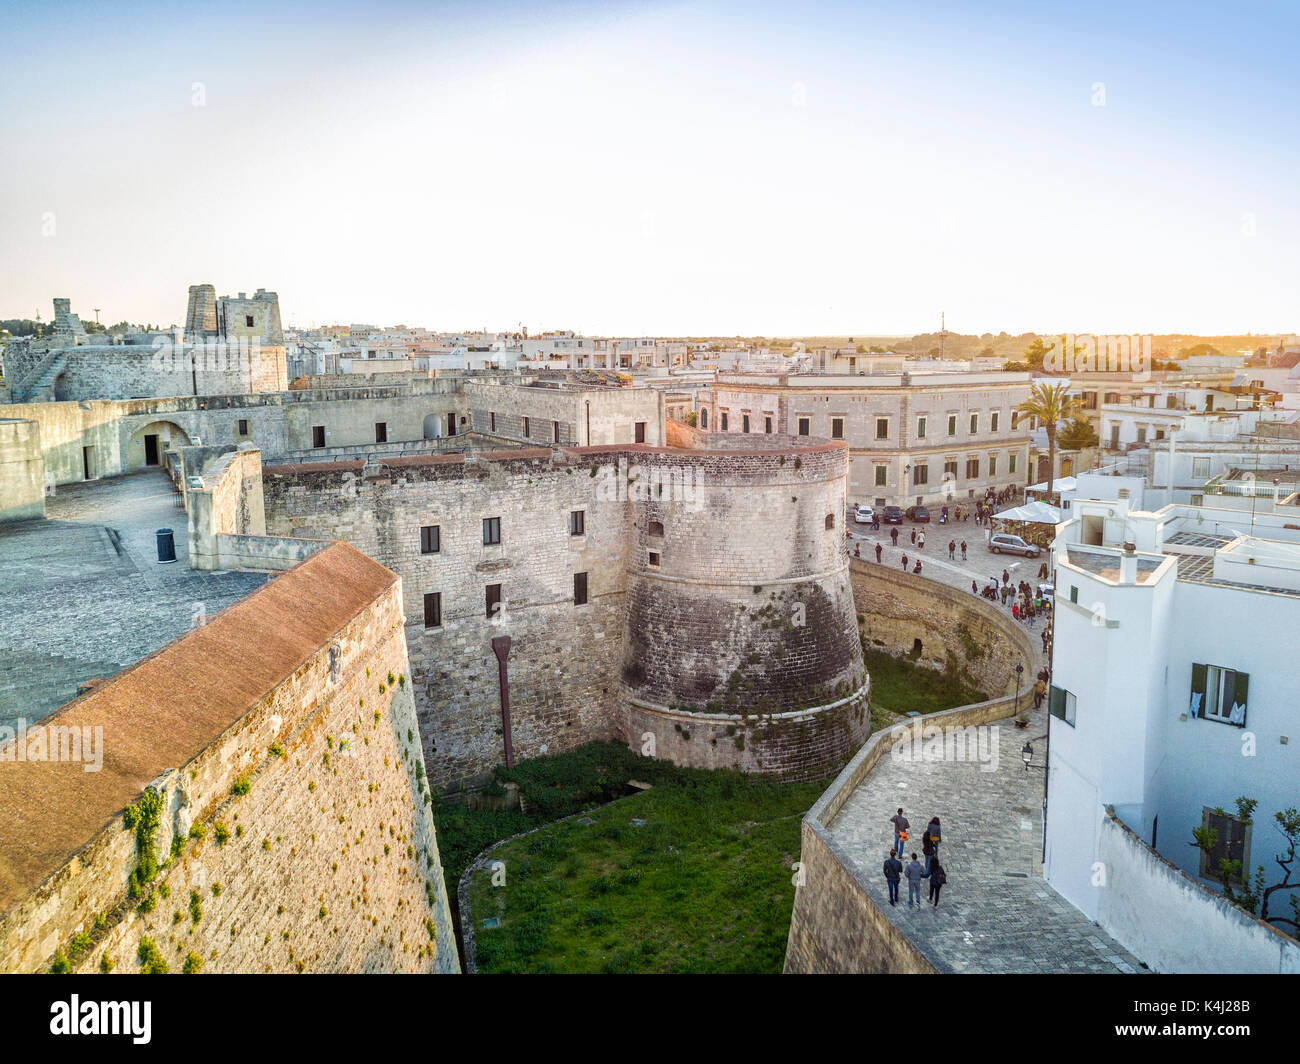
433, 426
148, 446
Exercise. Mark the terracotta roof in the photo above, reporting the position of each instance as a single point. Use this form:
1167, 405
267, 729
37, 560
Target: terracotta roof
166, 709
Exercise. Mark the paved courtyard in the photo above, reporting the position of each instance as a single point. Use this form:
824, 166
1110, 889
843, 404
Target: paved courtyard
83, 595
996, 913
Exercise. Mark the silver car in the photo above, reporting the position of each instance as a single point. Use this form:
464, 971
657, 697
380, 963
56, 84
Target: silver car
1005, 543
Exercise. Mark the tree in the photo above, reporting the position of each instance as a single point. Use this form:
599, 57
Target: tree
1051, 405
1036, 352
1251, 894
1078, 434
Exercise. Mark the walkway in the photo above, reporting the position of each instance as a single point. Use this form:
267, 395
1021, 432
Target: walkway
996, 914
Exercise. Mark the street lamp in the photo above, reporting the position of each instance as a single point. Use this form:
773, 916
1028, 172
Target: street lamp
1027, 756
1020, 669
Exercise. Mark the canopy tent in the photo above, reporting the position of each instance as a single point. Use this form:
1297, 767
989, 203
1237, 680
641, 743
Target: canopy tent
1031, 512
1060, 484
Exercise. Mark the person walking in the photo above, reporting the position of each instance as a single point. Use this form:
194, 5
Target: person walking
975, 590
933, 833
900, 831
904, 563
915, 873
938, 877
913, 537
875, 521
1006, 577
1046, 636
857, 550
1040, 692
927, 850
920, 541
952, 549
893, 873
879, 551
893, 537
963, 550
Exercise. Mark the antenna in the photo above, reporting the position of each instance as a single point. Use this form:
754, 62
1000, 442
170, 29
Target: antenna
96, 310
943, 332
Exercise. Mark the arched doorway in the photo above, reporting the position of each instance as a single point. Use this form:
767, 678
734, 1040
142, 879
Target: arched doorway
149, 444
433, 426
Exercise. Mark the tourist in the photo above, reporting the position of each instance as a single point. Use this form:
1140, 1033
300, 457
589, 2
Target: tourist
900, 831
1006, 577
920, 541
857, 550
893, 536
975, 590
914, 537
963, 550
917, 567
915, 873
904, 563
1040, 692
893, 872
879, 552
1015, 611
1042, 571
938, 877
952, 549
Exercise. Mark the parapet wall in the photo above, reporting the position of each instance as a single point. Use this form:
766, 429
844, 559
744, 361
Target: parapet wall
294, 832
22, 470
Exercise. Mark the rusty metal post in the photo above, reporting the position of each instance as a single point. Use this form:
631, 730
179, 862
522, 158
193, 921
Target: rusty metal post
501, 648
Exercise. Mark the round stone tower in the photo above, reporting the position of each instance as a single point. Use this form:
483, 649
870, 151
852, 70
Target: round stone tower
741, 647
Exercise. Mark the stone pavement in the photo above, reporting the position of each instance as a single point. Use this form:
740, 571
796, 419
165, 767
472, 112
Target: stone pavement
996, 913
82, 594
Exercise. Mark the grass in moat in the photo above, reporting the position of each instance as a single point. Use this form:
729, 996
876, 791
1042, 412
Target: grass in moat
899, 686
702, 884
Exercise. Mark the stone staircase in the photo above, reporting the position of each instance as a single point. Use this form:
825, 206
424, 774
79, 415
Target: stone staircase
38, 386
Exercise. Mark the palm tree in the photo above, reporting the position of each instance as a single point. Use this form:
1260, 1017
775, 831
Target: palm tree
1050, 404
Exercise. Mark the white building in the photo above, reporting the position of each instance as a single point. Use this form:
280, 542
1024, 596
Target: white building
1173, 693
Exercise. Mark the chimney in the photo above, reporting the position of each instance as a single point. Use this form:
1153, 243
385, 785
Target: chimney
1128, 564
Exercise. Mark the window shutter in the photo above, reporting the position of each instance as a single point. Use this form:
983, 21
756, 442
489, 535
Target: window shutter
1197, 704
1234, 697
1056, 702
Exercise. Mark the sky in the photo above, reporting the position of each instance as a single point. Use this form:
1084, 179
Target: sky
658, 168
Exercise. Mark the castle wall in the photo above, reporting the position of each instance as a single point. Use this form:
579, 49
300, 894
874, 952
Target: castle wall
22, 470
330, 862
598, 416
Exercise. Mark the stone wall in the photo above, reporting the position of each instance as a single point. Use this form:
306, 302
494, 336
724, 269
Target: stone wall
228, 501
304, 840
22, 470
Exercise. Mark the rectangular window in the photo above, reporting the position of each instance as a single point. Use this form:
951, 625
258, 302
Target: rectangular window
248, 321
1198, 500
555, 432
1011, 463
1015, 416
318, 435
640, 432
381, 432
1201, 468
993, 465
950, 467
526, 433
243, 427
952, 424
433, 609
704, 419
744, 422
724, 421
430, 539
837, 428
882, 476
920, 428
974, 424
1060, 704
767, 425
1219, 694
993, 421
654, 560
493, 599
577, 522
579, 589
882, 428
1231, 843
1142, 434
921, 475
1074, 593
972, 468
491, 531
805, 426
492, 421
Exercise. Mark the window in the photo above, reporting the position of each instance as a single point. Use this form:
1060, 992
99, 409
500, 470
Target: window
318, 435
805, 425
526, 434
1015, 416
921, 475
430, 539
493, 599
744, 422
1198, 500
492, 421
993, 465
993, 421
830, 522
577, 522
767, 424
491, 531
1074, 593
640, 432
837, 428
952, 424
704, 418
1060, 704
381, 431
972, 468
974, 424
1231, 843
656, 529
1142, 434
1160, 434
1219, 694
1201, 468
724, 421
920, 428
654, 560
579, 589
433, 609
1011, 462
555, 432
243, 427
248, 320
950, 467
882, 428
882, 476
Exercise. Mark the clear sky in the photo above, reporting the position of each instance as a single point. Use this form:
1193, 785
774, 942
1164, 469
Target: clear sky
659, 168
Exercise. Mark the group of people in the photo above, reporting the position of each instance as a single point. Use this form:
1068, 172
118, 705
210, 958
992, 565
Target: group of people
915, 871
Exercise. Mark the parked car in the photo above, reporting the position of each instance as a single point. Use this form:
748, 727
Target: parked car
1047, 593
1005, 543
919, 513
864, 515
893, 515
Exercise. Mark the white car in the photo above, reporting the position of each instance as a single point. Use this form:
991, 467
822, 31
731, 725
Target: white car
864, 515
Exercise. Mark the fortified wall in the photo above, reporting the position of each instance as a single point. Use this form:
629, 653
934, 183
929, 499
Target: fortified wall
694, 603
260, 802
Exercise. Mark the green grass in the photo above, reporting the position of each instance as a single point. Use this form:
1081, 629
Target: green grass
899, 687
703, 886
